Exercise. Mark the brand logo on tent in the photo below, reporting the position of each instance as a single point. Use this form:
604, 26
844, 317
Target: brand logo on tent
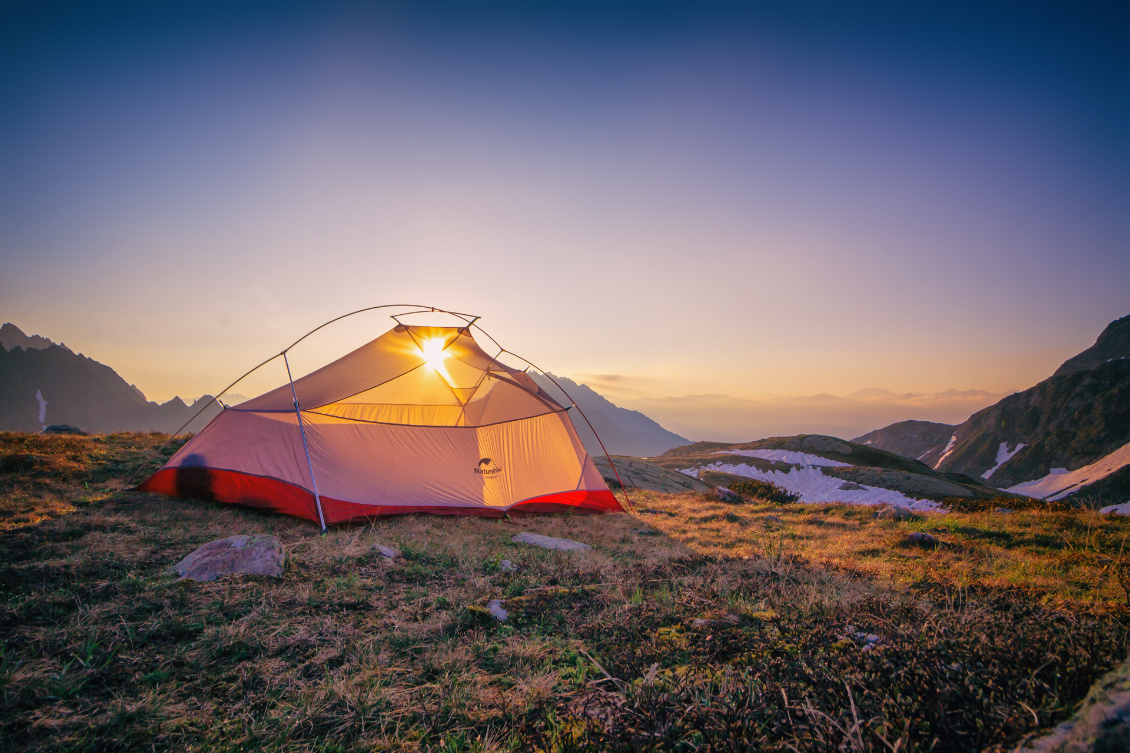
487, 467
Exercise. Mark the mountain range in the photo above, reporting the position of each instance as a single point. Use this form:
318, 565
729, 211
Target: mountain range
1064, 437
734, 419
43, 384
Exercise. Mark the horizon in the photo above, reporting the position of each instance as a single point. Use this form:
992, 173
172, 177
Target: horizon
789, 200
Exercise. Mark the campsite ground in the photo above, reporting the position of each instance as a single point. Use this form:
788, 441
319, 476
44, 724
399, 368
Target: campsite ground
692, 624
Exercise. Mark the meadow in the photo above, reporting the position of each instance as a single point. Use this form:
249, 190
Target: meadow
691, 625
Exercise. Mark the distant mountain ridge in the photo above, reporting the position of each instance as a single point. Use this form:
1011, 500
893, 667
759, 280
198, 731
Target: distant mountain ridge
623, 431
42, 384
1113, 344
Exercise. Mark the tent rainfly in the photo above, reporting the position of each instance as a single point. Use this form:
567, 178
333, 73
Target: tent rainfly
421, 419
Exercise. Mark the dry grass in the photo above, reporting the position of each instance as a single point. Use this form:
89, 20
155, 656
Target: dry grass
698, 626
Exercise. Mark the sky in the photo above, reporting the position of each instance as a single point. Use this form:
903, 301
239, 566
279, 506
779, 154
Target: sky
653, 198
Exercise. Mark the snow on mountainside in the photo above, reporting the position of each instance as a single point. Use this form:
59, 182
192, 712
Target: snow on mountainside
824, 469
912, 439
1060, 482
42, 383
1070, 421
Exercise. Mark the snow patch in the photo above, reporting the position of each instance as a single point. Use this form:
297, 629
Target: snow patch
813, 486
946, 452
42, 410
1003, 456
1060, 483
1123, 509
787, 456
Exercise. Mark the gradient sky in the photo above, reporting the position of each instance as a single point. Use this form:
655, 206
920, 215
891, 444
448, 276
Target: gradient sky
658, 198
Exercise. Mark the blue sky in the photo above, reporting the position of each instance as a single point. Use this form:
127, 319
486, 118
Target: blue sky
755, 200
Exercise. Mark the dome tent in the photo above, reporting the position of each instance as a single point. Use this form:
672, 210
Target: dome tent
421, 419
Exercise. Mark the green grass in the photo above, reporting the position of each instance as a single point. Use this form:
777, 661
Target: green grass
733, 628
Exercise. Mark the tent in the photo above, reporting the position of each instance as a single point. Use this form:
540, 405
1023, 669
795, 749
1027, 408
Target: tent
421, 419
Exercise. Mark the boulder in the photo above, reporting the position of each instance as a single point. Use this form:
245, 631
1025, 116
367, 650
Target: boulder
548, 542
494, 606
726, 495
64, 429
890, 512
1102, 723
251, 555
848, 486
507, 566
919, 538
386, 551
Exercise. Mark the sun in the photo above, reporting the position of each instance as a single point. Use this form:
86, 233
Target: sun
434, 354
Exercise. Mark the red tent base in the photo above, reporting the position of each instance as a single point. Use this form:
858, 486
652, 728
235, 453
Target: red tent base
264, 493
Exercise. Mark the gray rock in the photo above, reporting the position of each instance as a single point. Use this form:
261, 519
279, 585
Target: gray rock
848, 486
890, 512
726, 495
918, 538
1102, 724
252, 555
1004, 510
770, 519
548, 542
494, 606
387, 551
507, 566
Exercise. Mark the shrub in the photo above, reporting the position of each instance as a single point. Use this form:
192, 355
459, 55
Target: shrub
764, 490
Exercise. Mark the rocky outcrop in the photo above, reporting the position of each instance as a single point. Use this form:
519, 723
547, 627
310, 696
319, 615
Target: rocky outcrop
250, 555
1102, 724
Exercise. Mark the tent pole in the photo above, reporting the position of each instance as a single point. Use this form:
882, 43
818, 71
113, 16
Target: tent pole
305, 446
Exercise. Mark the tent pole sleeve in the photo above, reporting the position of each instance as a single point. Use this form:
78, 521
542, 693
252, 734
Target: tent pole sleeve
305, 445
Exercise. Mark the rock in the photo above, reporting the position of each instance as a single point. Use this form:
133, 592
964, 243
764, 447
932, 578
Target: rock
387, 551
726, 495
867, 637
63, 429
1102, 723
890, 512
252, 555
918, 538
770, 519
707, 621
1004, 510
645, 531
494, 606
548, 542
848, 486
507, 566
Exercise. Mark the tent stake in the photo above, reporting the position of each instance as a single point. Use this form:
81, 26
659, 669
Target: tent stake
305, 446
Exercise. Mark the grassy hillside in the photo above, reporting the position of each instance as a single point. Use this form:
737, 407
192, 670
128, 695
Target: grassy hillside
692, 624
870, 466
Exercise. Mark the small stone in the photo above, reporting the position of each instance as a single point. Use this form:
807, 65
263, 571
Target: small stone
890, 512
507, 566
494, 606
726, 495
1004, 510
645, 531
549, 542
850, 487
868, 637
251, 555
387, 551
918, 538
770, 519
